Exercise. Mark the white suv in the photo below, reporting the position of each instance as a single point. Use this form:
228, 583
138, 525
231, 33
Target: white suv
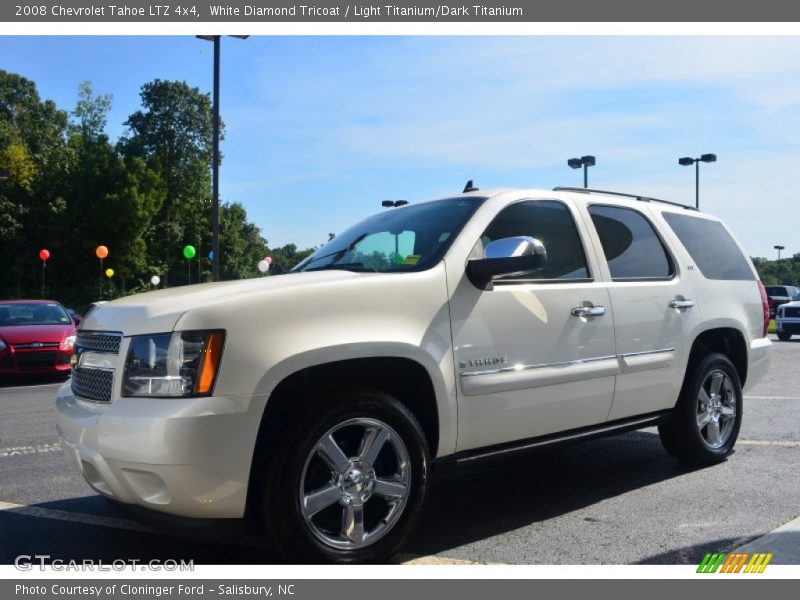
314, 404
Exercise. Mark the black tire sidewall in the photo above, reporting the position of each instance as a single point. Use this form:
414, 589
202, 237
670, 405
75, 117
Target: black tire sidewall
282, 517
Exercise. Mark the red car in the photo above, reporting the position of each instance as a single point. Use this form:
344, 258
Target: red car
36, 336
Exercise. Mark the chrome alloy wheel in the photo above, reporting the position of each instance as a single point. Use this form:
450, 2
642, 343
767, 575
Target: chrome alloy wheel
716, 409
355, 483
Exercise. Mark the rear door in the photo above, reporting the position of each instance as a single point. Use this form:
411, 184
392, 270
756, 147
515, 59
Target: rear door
655, 312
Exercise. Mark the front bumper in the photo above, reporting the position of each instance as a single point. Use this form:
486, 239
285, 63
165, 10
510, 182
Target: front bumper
188, 457
788, 325
34, 362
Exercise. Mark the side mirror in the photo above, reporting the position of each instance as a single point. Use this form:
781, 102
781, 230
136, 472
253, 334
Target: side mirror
506, 257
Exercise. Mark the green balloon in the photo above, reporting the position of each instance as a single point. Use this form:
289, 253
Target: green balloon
189, 252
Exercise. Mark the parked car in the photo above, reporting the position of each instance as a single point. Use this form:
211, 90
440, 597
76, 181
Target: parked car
314, 404
36, 336
787, 319
780, 294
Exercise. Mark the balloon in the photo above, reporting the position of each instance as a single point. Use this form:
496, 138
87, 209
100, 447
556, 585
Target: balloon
263, 266
210, 255
189, 252
44, 254
101, 252
268, 260
109, 273
155, 280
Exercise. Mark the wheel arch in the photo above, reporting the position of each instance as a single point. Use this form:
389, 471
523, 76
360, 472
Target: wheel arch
729, 341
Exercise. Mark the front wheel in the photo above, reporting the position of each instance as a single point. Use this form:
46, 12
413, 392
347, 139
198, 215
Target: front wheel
346, 481
784, 337
708, 414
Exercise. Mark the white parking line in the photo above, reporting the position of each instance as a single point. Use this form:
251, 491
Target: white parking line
788, 443
25, 450
771, 398
63, 515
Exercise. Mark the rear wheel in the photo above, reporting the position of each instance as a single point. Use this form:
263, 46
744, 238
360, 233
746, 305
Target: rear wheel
346, 481
708, 414
784, 336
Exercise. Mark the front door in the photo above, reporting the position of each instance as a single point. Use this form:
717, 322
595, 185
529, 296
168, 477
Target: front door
534, 355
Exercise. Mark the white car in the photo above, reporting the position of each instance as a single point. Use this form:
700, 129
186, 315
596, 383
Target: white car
787, 319
315, 404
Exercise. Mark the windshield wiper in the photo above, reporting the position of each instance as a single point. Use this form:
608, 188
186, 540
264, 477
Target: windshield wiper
338, 254
351, 266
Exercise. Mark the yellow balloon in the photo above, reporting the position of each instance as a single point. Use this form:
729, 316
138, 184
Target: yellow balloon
109, 273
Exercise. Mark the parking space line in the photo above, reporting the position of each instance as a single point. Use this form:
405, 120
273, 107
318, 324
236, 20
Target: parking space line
63, 515
748, 397
26, 450
32, 387
788, 443
432, 559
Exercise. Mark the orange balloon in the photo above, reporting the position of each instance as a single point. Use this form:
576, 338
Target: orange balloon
101, 252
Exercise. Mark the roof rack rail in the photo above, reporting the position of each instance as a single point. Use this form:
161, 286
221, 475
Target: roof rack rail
634, 196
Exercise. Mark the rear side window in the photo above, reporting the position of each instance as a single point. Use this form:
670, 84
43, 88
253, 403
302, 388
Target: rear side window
632, 247
711, 247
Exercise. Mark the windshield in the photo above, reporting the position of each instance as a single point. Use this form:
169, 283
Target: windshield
776, 290
411, 238
33, 314
796, 297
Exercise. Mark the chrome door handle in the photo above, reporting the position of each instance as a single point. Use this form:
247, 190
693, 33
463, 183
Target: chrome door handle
588, 311
681, 304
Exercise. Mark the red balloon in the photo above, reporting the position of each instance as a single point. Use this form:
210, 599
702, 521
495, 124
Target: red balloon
268, 260
101, 252
44, 254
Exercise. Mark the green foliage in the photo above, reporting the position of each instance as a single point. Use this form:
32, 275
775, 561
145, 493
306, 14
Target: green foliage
773, 272
70, 189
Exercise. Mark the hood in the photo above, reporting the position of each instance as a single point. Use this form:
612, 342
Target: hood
795, 304
160, 310
26, 334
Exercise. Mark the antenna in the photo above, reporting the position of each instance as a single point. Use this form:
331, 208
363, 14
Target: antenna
469, 187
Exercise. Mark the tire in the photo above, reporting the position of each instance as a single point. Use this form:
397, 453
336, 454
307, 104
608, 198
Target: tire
342, 482
784, 337
685, 436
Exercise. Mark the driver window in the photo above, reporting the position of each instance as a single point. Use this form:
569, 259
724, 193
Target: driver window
551, 223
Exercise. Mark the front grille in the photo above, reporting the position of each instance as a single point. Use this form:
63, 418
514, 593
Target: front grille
93, 384
6, 362
791, 311
63, 359
99, 341
36, 360
36, 345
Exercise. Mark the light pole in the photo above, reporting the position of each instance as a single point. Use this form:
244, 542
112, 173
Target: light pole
688, 160
215, 156
779, 248
585, 162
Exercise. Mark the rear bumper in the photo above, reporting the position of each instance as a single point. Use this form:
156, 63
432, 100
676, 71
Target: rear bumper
188, 457
760, 356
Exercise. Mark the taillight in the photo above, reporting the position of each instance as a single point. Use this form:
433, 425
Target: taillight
765, 307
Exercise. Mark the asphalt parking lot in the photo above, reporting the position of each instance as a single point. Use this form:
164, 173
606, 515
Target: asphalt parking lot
619, 500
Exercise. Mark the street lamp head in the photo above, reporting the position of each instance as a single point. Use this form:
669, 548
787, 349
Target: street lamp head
588, 160
686, 161
575, 163
779, 247
708, 157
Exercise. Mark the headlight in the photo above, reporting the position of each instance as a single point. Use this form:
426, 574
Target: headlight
780, 312
173, 365
68, 342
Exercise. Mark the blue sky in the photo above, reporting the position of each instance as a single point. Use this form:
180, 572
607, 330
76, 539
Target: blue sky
321, 129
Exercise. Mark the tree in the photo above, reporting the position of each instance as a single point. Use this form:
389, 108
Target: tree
91, 112
172, 134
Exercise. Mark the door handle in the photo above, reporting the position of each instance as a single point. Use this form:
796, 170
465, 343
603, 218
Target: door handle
588, 311
679, 304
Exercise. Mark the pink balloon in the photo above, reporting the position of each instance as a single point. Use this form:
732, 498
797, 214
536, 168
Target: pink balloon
268, 260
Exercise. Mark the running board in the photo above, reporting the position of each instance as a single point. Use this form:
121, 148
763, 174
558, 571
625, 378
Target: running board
565, 437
